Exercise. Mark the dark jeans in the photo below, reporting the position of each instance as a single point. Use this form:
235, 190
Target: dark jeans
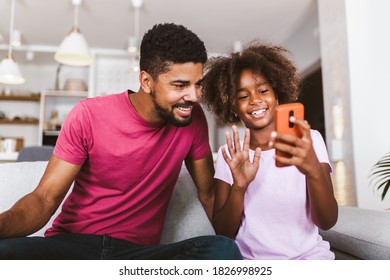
93, 247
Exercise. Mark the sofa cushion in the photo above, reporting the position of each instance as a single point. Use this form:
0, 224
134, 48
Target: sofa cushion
18, 179
361, 233
186, 217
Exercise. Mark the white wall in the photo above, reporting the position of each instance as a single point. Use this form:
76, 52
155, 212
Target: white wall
355, 59
368, 24
305, 43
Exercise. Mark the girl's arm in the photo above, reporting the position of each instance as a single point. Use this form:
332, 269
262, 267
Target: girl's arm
229, 199
202, 171
228, 208
323, 205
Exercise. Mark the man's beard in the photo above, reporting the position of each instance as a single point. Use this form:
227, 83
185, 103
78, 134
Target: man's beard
169, 116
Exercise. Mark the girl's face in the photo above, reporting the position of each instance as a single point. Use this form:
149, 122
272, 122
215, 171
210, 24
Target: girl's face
256, 101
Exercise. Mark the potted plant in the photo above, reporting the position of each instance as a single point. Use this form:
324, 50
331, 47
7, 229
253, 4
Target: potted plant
380, 175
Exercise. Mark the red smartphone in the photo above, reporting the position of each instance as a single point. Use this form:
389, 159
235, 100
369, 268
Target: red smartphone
283, 124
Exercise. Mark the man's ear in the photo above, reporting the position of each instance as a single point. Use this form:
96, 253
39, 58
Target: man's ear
146, 81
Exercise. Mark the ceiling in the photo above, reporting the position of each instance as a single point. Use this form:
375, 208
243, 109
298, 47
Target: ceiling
107, 24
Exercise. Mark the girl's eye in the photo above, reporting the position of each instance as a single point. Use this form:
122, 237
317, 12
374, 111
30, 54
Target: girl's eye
263, 91
242, 97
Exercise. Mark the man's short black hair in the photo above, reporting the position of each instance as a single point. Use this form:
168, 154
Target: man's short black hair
170, 43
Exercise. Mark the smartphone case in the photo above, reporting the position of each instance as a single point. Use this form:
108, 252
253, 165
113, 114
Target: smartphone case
283, 124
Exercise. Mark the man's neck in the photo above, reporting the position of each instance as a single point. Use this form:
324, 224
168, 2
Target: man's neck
143, 104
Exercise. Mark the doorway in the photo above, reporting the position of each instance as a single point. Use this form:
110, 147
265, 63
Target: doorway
313, 100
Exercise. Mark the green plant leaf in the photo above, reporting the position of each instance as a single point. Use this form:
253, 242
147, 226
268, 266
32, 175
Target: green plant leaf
380, 175
385, 190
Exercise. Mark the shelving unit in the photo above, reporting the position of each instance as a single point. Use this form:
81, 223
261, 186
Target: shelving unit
60, 101
33, 97
20, 98
21, 120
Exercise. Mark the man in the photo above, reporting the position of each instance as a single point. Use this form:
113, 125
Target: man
124, 153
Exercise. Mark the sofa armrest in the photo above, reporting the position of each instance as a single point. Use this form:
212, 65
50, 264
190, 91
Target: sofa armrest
360, 234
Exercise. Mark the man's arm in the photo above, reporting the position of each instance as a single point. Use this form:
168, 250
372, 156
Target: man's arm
202, 173
34, 210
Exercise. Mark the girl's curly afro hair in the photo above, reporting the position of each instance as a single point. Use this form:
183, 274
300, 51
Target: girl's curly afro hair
223, 74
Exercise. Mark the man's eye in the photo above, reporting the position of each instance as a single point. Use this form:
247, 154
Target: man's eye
179, 86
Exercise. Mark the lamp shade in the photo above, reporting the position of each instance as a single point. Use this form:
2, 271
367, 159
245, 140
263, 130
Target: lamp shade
74, 50
10, 73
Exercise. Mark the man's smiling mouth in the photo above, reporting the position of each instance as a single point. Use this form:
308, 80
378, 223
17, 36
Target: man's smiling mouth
184, 108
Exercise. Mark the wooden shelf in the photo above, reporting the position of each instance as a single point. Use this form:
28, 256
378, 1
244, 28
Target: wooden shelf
34, 98
23, 98
21, 122
51, 132
64, 93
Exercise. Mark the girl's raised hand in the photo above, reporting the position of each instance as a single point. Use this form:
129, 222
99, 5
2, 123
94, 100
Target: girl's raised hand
243, 170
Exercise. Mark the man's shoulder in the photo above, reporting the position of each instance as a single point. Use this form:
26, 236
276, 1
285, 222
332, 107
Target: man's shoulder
99, 104
103, 98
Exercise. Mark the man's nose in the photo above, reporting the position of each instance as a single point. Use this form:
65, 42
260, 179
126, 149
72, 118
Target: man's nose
192, 94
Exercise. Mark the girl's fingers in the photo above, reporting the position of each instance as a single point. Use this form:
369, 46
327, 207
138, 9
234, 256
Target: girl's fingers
229, 143
303, 126
236, 138
225, 156
246, 140
256, 157
304, 130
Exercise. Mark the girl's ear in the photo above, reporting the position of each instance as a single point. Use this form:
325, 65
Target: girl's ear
146, 81
234, 110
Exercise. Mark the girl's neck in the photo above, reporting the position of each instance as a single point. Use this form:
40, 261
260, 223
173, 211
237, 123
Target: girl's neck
260, 138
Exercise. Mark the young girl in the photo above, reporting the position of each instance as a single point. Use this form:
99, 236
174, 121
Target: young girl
272, 212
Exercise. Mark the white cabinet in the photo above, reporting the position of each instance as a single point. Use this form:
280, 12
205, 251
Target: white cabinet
57, 103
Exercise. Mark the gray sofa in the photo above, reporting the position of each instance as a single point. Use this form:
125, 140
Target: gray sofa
358, 234
185, 218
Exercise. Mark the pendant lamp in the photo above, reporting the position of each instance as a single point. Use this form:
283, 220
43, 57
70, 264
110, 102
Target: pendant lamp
74, 50
9, 69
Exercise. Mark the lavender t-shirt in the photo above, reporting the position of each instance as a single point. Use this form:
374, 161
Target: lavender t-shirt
276, 223
129, 168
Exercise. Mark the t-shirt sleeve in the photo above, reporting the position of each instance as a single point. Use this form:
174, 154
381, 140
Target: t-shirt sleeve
200, 145
320, 148
73, 140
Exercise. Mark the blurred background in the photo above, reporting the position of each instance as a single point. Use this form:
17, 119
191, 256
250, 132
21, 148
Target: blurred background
66, 50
